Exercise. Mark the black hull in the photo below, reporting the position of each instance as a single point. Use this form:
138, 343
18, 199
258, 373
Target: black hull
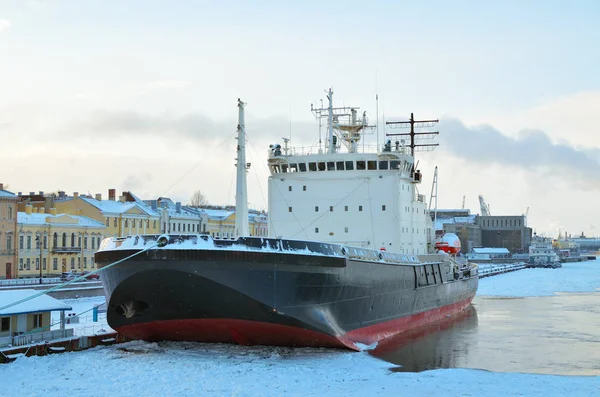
270, 297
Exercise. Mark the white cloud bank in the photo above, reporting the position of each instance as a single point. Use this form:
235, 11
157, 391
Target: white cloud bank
4, 24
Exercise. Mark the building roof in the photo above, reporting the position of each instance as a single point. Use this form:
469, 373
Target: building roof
218, 214
43, 303
491, 250
463, 210
440, 221
7, 194
24, 218
117, 207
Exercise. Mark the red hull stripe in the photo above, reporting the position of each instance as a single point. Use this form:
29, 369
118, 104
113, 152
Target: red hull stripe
246, 332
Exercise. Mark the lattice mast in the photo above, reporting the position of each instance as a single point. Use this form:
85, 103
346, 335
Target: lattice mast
343, 124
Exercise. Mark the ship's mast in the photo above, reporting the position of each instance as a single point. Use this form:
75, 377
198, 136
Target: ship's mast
331, 148
343, 125
241, 191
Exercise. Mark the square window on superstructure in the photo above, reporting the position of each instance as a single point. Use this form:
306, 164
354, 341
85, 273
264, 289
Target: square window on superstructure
289, 188
289, 209
372, 165
346, 208
361, 165
330, 166
383, 165
331, 208
316, 230
339, 165
383, 207
360, 207
316, 208
346, 229
349, 165
293, 167
302, 167
284, 168
312, 166
304, 188
394, 165
321, 165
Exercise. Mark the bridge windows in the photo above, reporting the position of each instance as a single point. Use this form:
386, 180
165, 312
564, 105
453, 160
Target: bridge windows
302, 167
394, 165
361, 165
312, 166
321, 165
330, 166
383, 165
349, 165
372, 165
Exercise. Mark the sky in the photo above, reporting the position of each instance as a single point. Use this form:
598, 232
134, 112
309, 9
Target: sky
142, 95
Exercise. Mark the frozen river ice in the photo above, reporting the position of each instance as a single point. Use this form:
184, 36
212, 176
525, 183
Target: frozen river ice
525, 329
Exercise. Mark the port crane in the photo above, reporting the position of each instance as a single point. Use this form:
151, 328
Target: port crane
485, 208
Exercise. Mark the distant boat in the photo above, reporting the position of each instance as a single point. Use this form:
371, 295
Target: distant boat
353, 262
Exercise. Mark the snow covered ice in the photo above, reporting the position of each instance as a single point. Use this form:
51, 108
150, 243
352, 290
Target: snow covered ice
192, 369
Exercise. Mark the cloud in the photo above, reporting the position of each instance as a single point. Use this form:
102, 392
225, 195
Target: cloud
167, 84
4, 24
191, 127
532, 150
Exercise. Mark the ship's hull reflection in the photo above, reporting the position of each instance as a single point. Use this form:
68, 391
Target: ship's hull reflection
440, 345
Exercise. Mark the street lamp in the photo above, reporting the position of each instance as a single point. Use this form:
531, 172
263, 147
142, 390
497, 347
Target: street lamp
38, 241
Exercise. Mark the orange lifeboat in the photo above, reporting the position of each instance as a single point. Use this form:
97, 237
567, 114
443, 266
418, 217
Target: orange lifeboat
449, 243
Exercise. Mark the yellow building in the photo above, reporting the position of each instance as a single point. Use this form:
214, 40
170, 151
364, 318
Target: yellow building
221, 222
50, 244
8, 230
123, 217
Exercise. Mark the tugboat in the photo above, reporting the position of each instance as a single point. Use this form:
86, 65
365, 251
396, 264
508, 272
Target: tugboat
352, 259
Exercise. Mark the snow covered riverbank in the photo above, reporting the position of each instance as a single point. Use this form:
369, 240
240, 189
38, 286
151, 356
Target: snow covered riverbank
190, 369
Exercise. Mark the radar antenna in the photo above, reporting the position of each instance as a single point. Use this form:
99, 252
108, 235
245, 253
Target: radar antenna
414, 136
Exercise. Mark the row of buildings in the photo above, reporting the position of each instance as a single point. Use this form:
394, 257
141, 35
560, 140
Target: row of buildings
505, 232
48, 234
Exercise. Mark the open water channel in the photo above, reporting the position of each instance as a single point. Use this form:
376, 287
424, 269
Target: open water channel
546, 335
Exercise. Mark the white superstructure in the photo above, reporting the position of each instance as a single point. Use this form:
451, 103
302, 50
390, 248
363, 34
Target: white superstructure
541, 251
349, 193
